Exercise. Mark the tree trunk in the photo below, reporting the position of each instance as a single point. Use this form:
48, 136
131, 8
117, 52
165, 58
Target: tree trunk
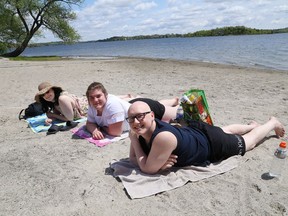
18, 49
14, 53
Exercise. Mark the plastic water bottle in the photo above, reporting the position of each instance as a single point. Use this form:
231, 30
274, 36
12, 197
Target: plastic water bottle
278, 162
179, 114
185, 99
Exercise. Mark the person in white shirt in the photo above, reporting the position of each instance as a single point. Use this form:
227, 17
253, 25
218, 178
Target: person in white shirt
107, 113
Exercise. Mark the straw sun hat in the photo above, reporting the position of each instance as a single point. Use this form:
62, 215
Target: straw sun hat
43, 88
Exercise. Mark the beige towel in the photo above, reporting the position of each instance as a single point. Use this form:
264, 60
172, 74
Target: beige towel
139, 185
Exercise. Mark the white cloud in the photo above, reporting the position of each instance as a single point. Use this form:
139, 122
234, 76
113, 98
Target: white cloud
113, 3
107, 18
145, 5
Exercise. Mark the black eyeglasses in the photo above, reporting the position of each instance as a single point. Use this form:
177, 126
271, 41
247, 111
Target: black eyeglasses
139, 117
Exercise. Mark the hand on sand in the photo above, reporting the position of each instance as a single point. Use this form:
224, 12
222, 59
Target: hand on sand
48, 121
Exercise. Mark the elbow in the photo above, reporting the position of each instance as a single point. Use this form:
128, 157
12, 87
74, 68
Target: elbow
149, 171
88, 124
118, 134
114, 132
133, 160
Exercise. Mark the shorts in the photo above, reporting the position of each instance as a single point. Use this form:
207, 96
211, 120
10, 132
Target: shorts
155, 106
222, 145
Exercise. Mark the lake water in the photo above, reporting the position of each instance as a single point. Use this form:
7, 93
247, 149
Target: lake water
263, 51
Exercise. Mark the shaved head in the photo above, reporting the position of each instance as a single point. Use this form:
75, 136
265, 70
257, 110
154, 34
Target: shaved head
141, 118
138, 107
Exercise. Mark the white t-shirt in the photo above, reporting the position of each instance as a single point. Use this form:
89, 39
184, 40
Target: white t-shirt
115, 110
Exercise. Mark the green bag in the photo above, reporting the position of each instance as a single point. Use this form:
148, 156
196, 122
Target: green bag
195, 106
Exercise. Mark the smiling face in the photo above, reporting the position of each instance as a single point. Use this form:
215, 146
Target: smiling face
140, 118
97, 99
49, 95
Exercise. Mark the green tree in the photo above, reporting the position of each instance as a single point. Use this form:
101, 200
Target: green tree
21, 20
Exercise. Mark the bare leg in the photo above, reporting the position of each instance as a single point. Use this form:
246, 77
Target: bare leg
260, 132
240, 128
170, 102
170, 113
127, 97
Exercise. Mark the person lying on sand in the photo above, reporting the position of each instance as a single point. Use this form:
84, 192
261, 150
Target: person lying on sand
107, 113
157, 145
59, 104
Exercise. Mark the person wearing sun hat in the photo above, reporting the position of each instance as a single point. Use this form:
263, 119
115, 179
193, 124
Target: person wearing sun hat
43, 88
59, 104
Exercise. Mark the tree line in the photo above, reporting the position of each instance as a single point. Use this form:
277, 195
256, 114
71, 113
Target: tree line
224, 31
22, 20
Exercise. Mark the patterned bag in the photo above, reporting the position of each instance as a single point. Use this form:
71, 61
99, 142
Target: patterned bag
195, 106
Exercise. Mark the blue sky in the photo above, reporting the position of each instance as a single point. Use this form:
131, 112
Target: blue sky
100, 19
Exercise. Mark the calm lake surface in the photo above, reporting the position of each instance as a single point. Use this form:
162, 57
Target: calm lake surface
262, 51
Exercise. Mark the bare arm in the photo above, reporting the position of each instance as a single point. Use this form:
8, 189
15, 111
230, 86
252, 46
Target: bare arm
160, 153
91, 126
114, 129
56, 115
66, 106
170, 162
94, 130
132, 155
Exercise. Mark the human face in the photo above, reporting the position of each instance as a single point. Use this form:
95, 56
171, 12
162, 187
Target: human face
140, 119
49, 95
97, 99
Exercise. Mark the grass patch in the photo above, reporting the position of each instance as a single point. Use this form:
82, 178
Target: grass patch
36, 58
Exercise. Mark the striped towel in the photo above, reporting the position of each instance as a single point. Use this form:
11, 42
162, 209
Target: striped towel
37, 123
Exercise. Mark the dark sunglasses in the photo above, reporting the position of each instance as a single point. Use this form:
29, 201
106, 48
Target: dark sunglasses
139, 117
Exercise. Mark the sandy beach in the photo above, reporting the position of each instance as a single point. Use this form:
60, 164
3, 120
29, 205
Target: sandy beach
60, 175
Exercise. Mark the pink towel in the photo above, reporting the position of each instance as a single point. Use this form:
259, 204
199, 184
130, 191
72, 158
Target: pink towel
83, 133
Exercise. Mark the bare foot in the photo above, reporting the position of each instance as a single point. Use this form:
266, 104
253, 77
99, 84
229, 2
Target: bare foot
130, 96
279, 128
176, 103
127, 97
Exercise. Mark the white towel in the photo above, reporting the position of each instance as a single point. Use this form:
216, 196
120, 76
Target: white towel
139, 184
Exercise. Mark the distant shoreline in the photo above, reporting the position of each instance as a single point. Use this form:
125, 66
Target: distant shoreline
256, 51
225, 31
172, 60
124, 58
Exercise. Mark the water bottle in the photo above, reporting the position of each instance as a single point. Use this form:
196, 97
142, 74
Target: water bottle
179, 114
278, 162
185, 99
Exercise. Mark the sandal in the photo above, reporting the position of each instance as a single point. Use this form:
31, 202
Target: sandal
54, 129
69, 125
